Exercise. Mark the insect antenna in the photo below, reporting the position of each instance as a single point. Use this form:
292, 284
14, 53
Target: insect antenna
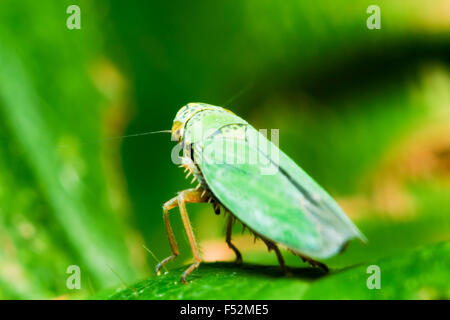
239, 94
120, 137
136, 135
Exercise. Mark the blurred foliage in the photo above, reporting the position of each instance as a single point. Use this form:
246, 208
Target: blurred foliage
56, 209
365, 112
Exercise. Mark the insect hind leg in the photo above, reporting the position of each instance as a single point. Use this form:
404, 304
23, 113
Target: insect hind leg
312, 262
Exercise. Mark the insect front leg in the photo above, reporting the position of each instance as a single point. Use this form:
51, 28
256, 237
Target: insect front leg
228, 239
187, 196
172, 203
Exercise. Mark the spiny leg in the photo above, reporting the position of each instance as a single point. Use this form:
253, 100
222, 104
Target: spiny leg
228, 239
315, 263
272, 246
186, 196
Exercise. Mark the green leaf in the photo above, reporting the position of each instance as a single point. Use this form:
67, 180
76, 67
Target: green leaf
419, 274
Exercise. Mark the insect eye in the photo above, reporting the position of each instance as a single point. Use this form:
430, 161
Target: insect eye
176, 131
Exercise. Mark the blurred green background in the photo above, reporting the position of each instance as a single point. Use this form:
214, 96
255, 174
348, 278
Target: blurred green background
365, 112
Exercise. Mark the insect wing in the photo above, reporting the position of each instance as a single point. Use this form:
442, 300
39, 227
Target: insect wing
280, 206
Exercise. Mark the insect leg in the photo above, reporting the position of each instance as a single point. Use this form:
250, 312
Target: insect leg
272, 246
172, 203
312, 263
315, 263
190, 196
228, 239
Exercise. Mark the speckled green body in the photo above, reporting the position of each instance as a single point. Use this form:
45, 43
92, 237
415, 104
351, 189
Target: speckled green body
287, 206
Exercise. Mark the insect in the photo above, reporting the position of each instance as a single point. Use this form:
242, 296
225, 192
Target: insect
281, 207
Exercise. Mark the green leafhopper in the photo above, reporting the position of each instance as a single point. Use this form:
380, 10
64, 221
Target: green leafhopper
239, 170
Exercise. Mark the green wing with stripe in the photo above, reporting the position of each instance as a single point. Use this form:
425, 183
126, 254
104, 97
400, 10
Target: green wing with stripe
284, 205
